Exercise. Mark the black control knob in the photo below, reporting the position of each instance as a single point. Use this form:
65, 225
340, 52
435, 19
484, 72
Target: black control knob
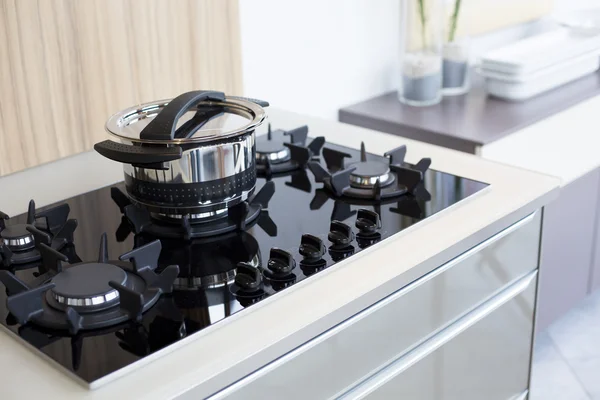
311, 248
367, 221
339, 254
340, 234
247, 277
280, 262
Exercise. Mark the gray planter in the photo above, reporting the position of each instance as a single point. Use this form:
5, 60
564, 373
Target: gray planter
421, 80
456, 79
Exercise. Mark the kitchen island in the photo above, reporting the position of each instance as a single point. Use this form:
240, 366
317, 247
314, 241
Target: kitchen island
444, 307
557, 125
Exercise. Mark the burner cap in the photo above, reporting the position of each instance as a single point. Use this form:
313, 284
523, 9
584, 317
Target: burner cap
17, 237
271, 149
367, 173
86, 286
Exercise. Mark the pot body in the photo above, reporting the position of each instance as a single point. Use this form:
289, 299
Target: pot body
207, 179
194, 155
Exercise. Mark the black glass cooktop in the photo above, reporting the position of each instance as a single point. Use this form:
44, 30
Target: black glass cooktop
204, 293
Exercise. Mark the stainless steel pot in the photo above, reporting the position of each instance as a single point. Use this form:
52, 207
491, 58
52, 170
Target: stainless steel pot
192, 155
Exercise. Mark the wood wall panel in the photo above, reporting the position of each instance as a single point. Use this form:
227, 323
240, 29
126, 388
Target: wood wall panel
67, 65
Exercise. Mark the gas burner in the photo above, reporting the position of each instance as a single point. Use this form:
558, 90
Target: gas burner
205, 216
17, 237
275, 155
237, 218
89, 295
375, 184
410, 205
85, 286
371, 179
368, 173
51, 227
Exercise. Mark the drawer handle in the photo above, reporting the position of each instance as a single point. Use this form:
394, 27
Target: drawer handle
526, 220
401, 364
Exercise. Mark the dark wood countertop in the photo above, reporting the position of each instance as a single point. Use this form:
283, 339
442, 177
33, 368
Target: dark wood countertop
469, 121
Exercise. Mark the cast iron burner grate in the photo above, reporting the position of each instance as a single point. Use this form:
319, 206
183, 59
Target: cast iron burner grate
166, 327
51, 227
132, 337
409, 205
299, 180
89, 295
275, 155
366, 179
238, 218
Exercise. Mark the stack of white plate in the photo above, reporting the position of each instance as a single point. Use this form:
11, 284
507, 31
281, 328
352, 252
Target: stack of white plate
539, 63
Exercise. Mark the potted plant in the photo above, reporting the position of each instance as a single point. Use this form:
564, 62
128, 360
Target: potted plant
456, 58
420, 52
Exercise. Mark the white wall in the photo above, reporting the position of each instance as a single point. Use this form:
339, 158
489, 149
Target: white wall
314, 56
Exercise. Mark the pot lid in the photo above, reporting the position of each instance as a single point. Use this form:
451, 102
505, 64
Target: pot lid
193, 117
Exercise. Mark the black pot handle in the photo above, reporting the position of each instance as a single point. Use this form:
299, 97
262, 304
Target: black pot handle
140, 155
162, 127
261, 103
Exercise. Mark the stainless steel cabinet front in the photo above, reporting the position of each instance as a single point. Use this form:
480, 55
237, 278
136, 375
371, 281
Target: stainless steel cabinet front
344, 355
484, 355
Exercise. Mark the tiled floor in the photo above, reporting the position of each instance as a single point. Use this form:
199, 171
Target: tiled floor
566, 359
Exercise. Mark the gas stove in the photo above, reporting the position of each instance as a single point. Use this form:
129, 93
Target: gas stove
97, 282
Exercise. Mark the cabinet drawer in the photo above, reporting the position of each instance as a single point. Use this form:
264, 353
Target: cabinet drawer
344, 355
484, 355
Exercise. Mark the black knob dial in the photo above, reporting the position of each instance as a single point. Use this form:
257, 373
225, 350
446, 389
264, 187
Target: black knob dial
367, 221
339, 254
247, 277
280, 262
340, 234
311, 248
